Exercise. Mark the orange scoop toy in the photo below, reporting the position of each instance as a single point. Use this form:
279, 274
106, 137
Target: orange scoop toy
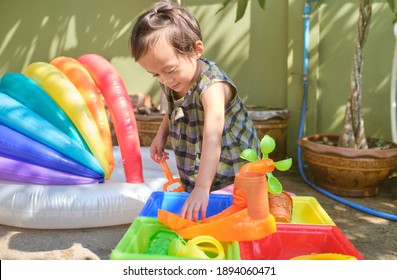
171, 180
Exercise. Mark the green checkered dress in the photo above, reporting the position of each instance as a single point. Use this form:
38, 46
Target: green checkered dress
186, 124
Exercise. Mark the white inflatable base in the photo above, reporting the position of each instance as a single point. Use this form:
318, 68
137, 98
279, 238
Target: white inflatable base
82, 206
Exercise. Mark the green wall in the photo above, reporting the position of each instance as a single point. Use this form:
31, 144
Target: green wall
262, 53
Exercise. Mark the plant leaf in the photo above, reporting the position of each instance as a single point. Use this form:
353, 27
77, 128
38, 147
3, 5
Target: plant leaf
249, 154
262, 3
241, 7
283, 165
225, 3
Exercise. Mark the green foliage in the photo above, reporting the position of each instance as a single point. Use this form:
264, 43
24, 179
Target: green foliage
241, 7
380, 143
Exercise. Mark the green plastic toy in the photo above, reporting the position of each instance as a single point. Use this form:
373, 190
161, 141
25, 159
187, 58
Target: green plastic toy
265, 164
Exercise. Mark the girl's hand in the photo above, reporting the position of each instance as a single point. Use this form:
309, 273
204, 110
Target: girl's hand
157, 152
157, 147
196, 202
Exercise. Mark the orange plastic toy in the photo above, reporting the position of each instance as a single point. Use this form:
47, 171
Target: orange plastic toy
326, 256
263, 166
171, 180
248, 217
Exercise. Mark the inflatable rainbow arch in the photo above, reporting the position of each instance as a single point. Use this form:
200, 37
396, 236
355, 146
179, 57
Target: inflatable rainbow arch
58, 166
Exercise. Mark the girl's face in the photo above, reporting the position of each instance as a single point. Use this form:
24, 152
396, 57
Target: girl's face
173, 70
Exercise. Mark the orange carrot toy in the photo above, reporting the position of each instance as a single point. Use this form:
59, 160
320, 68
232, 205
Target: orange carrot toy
262, 166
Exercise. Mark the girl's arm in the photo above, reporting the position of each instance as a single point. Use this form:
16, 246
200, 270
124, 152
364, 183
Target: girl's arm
214, 119
158, 144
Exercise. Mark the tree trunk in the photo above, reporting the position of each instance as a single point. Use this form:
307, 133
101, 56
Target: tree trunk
353, 134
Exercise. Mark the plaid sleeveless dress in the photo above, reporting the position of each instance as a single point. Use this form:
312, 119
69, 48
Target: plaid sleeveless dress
186, 124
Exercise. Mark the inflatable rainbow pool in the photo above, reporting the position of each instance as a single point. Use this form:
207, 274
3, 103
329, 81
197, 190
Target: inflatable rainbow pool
58, 167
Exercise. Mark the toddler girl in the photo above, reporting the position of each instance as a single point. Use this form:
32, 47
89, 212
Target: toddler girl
206, 120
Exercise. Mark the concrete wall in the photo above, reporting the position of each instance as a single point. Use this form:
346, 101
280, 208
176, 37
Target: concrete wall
262, 53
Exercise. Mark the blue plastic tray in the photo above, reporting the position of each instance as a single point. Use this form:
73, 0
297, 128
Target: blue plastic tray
173, 202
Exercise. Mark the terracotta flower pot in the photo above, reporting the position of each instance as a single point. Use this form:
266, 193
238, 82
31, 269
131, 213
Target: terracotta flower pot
281, 206
344, 171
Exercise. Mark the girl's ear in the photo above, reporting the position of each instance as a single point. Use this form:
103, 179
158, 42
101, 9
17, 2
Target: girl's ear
199, 49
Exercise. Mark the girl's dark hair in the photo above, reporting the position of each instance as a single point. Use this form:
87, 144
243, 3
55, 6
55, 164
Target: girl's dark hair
167, 19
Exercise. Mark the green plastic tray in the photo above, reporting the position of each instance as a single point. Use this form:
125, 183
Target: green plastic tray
136, 239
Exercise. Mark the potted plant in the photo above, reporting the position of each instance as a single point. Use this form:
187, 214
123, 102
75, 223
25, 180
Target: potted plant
352, 164
349, 164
